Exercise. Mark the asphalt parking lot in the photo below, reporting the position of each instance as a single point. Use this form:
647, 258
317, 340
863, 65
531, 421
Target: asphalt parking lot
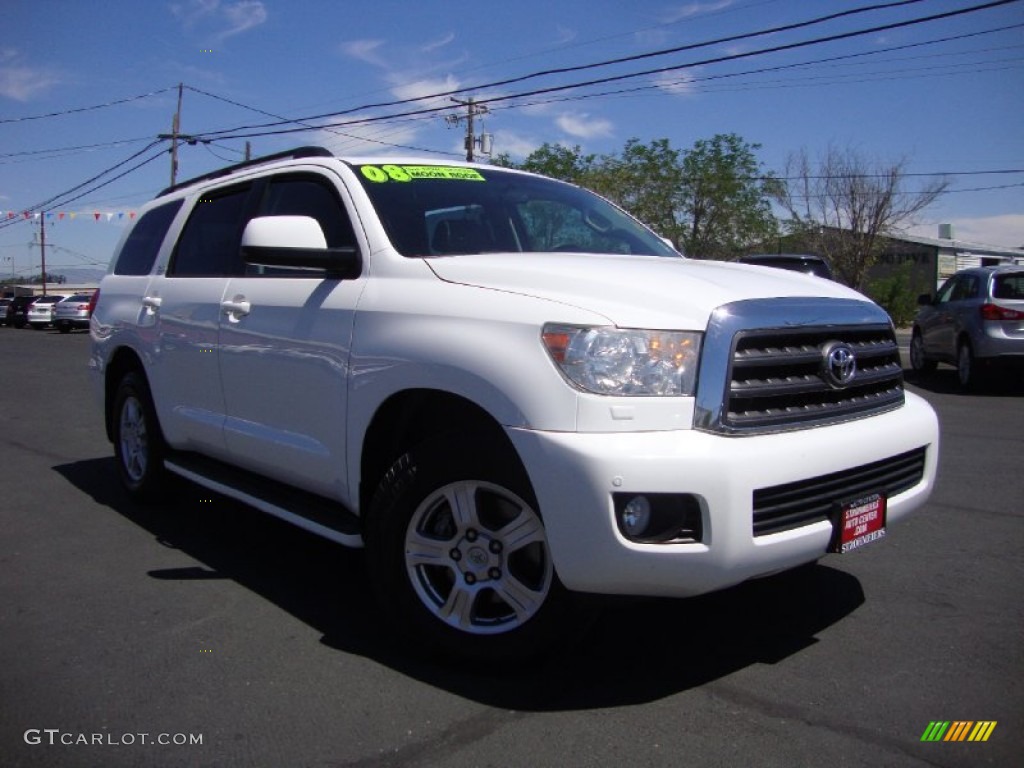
202, 633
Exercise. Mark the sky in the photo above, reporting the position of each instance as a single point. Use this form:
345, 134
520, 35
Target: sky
88, 88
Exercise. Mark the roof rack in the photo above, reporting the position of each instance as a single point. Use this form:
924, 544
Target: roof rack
289, 154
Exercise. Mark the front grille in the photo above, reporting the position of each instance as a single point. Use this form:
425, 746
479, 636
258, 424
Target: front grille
777, 379
783, 507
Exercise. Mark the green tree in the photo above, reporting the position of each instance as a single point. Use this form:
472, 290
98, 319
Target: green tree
645, 180
554, 160
725, 198
711, 201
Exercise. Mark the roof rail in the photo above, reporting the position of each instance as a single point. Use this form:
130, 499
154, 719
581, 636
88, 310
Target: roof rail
289, 154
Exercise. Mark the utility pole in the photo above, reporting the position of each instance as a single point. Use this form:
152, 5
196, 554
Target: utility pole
42, 245
472, 110
175, 130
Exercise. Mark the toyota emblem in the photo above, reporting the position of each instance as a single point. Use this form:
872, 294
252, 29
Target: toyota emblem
839, 364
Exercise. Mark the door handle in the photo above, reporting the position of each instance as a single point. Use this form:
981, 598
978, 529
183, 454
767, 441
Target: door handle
236, 309
151, 303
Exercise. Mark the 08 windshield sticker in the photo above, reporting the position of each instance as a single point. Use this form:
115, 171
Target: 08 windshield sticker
382, 173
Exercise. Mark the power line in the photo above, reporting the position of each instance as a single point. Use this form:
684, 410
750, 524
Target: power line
227, 133
76, 110
604, 63
349, 136
62, 198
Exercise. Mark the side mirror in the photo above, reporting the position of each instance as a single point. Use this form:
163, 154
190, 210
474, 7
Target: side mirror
296, 242
924, 300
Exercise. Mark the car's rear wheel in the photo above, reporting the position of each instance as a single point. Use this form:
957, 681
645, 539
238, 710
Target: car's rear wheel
966, 365
919, 363
459, 556
138, 443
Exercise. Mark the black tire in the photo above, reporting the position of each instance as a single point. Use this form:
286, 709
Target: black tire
967, 372
459, 559
64, 328
138, 442
920, 364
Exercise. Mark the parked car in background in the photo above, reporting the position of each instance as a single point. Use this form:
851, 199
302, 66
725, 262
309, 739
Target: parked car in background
18, 310
5, 311
975, 321
74, 312
795, 262
40, 312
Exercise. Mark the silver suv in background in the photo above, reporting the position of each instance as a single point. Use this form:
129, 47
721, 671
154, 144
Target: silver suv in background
975, 321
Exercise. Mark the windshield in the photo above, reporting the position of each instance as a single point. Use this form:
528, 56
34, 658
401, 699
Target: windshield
448, 210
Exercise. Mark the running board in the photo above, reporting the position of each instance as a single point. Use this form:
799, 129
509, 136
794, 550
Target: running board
318, 515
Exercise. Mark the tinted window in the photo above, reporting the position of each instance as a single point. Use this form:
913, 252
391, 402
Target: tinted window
310, 196
1009, 286
143, 243
966, 288
209, 242
443, 210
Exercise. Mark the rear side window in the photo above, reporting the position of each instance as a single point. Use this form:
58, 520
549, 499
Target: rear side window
143, 244
210, 240
1009, 286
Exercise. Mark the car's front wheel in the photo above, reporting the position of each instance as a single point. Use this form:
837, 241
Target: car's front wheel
459, 556
138, 443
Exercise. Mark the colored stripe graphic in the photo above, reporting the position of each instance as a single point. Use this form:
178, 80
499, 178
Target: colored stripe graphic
982, 730
958, 730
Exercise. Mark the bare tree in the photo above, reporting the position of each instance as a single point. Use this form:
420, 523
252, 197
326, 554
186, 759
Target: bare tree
843, 206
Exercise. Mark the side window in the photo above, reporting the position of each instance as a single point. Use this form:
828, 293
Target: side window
302, 195
209, 243
143, 243
305, 195
946, 292
966, 288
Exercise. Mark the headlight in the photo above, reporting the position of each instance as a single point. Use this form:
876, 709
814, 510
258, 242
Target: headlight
622, 361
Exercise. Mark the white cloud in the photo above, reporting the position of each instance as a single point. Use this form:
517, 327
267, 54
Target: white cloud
219, 21
22, 83
564, 35
424, 89
516, 146
694, 9
1006, 230
243, 16
364, 50
677, 84
441, 43
366, 139
583, 126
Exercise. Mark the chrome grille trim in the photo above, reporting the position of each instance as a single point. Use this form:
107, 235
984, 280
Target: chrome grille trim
762, 360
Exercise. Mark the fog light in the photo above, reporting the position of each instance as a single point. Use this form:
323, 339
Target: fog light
659, 518
636, 516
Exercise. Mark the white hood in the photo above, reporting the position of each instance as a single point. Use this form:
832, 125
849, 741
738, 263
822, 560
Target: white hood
633, 291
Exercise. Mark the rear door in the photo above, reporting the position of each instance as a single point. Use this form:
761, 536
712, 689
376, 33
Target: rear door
186, 306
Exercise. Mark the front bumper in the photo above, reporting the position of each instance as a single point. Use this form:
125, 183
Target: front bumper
575, 474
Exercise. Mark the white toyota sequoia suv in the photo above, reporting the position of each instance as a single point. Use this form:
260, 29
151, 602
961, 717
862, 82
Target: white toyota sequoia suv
502, 385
